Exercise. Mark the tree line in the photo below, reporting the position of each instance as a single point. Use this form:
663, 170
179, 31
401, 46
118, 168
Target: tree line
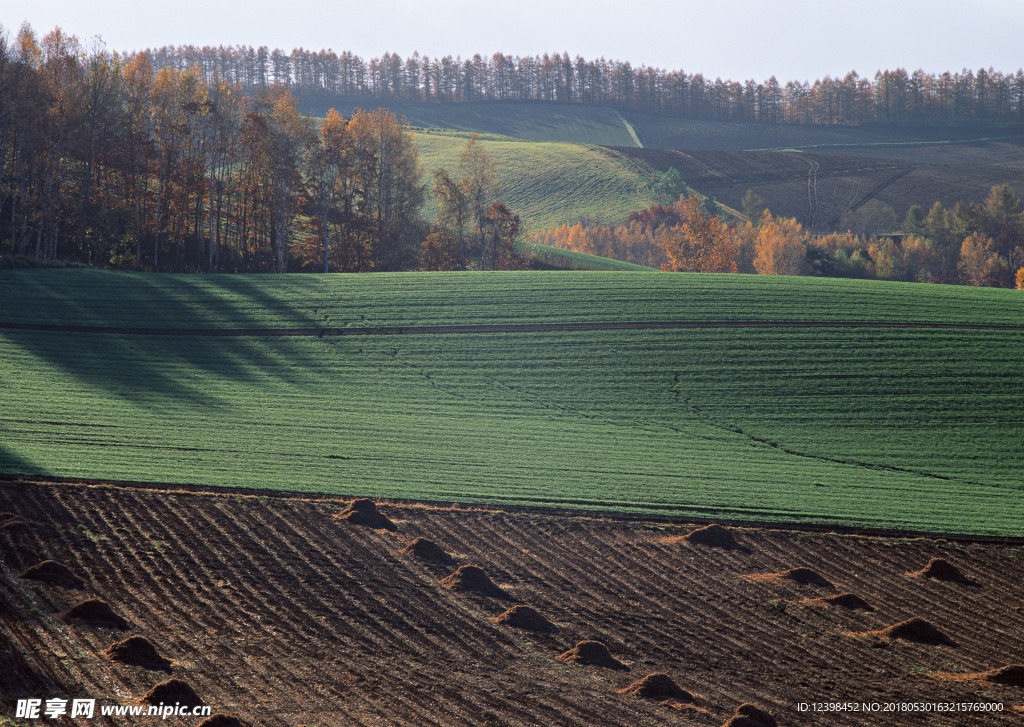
968, 243
107, 160
891, 95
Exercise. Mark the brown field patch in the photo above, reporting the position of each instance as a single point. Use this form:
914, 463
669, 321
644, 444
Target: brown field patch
282, 615
658, 686
96, 612
364, 512
941, 570
1011, 675
844, 600
426, 549
747, 715
592, 653
914, 629
53, 573
473, 578
801, 576
222, 720
173, 691
138, 651
714, 536
526, 617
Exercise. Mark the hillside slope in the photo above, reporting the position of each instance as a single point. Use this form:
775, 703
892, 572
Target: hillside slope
547, 183
743, 397
818, 188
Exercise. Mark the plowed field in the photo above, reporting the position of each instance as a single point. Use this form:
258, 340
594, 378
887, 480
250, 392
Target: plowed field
274, 609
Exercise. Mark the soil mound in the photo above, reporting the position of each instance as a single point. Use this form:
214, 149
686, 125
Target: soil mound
592, 653
525, 617
425, 549
942, 570
222, 720
918, 630
803, 576
1013, 675
54, 573
473, 578
714, 536
747, 715
97, 612
173, 691
139, 651
845, 600
658, 686
365, 512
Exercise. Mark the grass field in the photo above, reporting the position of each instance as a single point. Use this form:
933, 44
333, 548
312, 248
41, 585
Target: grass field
547, 183
917, 428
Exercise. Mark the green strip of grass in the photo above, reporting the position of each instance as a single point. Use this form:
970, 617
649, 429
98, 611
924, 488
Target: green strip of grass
916, 429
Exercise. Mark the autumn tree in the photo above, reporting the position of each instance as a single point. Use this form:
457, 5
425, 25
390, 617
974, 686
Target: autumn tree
453, 215
441, 251
479, 186
328, 160
753, 206
700, 243
500, 229
1005, 225
979, 263
387, 167
780, 247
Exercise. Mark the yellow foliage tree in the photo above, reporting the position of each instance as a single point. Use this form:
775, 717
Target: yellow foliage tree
979, 263
700, 243
780, 247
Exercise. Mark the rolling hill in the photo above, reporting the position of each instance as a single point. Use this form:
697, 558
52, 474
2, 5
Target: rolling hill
547, 183
577, 162
748, 398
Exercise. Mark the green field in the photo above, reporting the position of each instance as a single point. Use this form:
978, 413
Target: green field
546, 183
907, 428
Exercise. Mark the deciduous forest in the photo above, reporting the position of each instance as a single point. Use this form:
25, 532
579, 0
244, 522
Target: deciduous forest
891, 95
186, 159
972, 244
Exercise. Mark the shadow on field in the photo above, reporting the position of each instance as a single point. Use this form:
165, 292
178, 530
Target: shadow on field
11, 462
140, 367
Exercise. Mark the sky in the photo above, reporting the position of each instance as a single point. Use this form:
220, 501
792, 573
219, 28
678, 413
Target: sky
730, 39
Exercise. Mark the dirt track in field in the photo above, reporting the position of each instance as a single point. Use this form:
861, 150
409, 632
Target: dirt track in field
277, 611
493, 328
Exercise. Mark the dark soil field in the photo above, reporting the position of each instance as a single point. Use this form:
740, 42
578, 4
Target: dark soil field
288, 611
819, 187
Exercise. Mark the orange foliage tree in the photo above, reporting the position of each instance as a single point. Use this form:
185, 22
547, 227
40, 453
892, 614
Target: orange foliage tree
780, 247
699, 243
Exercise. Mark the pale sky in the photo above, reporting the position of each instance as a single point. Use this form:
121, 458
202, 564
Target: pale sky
734, 39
